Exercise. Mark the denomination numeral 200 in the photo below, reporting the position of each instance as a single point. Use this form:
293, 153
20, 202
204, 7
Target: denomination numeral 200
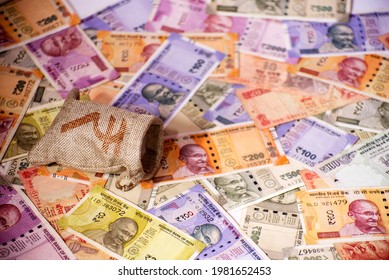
47, 20
197, 66
19, 87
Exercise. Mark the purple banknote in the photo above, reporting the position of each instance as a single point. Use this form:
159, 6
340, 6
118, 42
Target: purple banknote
169, 78
191, 16
196, 213
24, 233
359, 35
116, 17
311, 141
69, 60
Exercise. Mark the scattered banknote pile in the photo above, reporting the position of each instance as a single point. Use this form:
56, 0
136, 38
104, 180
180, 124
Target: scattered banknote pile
276, 121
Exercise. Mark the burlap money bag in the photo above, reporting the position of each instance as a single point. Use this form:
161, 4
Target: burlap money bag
101, 138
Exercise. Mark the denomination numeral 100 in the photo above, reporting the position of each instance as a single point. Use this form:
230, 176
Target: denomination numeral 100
306, 153
197, 65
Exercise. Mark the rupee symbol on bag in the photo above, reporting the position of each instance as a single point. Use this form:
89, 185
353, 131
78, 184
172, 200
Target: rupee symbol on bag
107, 138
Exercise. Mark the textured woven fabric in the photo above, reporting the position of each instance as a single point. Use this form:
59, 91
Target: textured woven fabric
101, 138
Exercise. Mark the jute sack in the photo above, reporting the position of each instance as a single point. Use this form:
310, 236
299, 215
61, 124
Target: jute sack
101, 138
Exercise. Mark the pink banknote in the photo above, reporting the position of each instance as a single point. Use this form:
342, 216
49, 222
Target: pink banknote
191, 16
24, 232
70, 60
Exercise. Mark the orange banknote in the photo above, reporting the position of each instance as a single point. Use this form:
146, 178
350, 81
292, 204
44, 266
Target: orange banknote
232, 149
18, 87
269, 108
384, 40
338, 215
25, 20
128, 52
366, 74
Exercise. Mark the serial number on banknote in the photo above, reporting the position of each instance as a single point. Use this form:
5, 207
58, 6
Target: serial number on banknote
244, 270
329, 203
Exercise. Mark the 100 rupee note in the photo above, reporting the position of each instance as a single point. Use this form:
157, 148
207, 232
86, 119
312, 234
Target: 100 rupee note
197, 214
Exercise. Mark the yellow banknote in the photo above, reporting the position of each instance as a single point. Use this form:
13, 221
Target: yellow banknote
191, 156
34, 125
366, 74
126, 231
335, 215
55, 197
17, 90
269, 108
24, 20
128, 52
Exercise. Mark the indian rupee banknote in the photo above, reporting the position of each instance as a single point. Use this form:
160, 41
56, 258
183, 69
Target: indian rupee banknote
322, 10
365, 74
268, 107
162, 86
370, 115
27, 20
69, 59
243, 189
274, 224
267, 38
344, 215
17, 57
191, 16
197, 214
18, 87
125, 231
167, 192
25, 234
212, 152
54, 197
358, 36
311, 141
115, 17
33, 126
129, 51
